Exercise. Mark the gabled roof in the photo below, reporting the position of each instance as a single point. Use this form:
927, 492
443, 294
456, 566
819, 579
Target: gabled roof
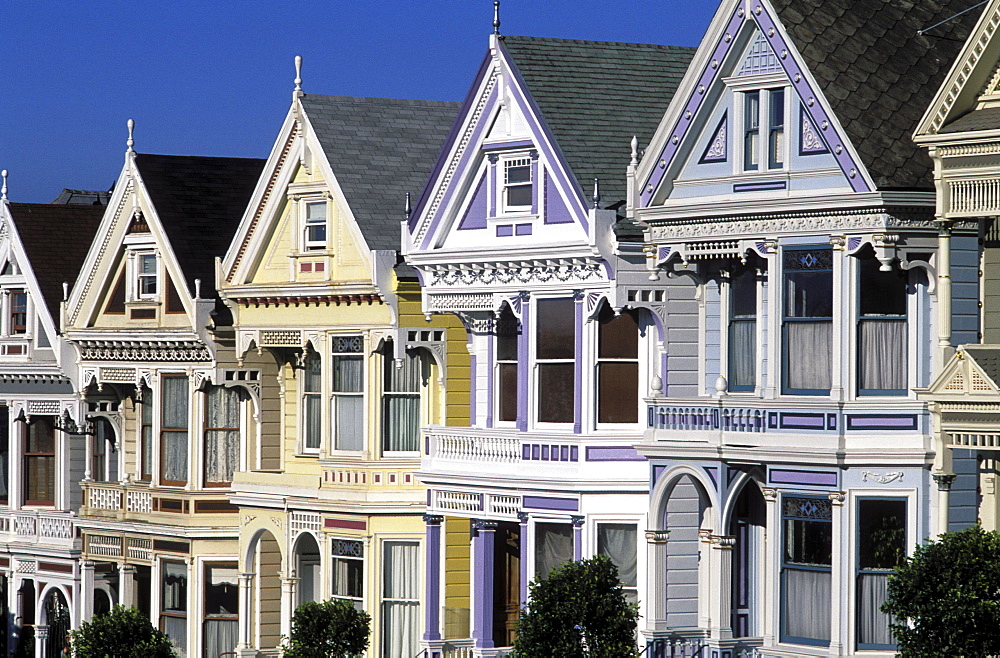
878, 74
987, 118
87, 197
199, 201
595, 95
56, 238
988, 360
379, 149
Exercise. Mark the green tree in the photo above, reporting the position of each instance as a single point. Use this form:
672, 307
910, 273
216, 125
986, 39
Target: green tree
121, 633
578, 610
945, 600
331, 629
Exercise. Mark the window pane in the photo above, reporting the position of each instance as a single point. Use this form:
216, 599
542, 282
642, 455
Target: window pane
175, 456
508, 392
400, 599
507, 332
809, 294
147, 434
519, 173
519, 195
743, 295
777, 108
806, 609
316, 211
556, 329
221, 590
808, 355
347, 373
742, 354
41, 435
556, 390
313, 379
882, 356
40, 462
618, 393
881, 533
174, 587
313, 419
349, 415
553, 546
407, 379
348, 578
618, 542
401, 423
882, 293
618, 338
174, 407
4, 453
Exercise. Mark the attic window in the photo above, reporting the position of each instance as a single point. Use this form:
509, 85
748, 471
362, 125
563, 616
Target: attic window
18, 312
147, 278
518, 192
314, 235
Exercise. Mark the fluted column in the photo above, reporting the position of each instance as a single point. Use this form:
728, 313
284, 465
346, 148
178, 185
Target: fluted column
246, 611
942, 518
577, 538
722, 587
656, 580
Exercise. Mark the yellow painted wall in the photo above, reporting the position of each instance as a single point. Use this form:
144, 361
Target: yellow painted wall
457, 577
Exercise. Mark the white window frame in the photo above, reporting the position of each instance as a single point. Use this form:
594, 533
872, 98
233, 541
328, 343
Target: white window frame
511, 160
358, 601
138, 276
304, 447
309, 245
534, 380
336, 396
763, 85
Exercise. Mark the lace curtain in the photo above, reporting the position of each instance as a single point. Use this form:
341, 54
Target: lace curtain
873, 624
222, 434
742, 353
400, 600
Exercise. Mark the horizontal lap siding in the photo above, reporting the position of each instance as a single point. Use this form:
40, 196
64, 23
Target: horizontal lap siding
683, 520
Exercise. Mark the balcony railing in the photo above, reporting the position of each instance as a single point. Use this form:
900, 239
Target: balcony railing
37, 527
136, 502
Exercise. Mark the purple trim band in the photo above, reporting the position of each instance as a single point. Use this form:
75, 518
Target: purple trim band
803, 421
754, 187
578, 366
522, 367
815, 478
505, 230
613, 454
548, 502
882, 422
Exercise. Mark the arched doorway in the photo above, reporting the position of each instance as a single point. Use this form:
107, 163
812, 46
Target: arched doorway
747, 524
307, 569
56, 617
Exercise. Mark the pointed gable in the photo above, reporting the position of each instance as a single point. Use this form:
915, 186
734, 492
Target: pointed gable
878, 73
55, 238
594, 96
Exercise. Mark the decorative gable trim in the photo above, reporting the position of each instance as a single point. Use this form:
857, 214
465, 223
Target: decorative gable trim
760, 59
697, 89
810, 140
718, 149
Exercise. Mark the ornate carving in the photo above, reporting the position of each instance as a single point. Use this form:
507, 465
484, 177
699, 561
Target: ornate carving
276, 521
943, 480
723, 542
247, 518
470, 301
657, 536
770, 495
712, 228
880, 477
484, 525
574, 270
837, 498
133, 350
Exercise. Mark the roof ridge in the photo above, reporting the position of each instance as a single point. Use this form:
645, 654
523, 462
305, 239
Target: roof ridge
596, 42
197, 157
367, 99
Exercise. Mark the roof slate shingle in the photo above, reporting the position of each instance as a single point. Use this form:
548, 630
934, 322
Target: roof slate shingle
200, 201
595, 95
56, 238
903, 70
380, 149
987, 358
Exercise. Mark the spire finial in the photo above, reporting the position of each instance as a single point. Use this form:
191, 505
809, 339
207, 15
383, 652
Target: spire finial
131, 142
597, 192
408, 208
496, 16
3, 188
635, 151
298, 73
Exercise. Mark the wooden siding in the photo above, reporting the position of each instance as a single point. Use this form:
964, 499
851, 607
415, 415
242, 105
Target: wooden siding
684, 515
457, 577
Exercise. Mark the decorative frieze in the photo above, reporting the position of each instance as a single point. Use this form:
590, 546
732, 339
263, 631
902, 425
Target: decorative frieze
706, 228
133, 350
573, 270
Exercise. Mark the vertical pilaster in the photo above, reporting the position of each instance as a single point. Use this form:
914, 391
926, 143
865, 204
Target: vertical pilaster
578, 362
41, 639
943, 353
432, 593
289, 586
246, 611
772, 571
722, 585
522, 518
838, 573
656, 578
523, 364
707, 597
86, 602
578, 537
943, 482
483, 541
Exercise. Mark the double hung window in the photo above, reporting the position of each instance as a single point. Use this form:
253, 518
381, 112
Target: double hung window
222, 601
617, 368
555, 355
751, 131
174, 430
508, 332
881, 548
348, 393
103, 461
881, 330
618, 542
743, 330
401, 401
173, 604
806, 570
348, 572
40, 462
517, 184
400, 598
808, 321
147, 276
764, 109
18, 312
776, 128
222, 434
312, 402
314, 235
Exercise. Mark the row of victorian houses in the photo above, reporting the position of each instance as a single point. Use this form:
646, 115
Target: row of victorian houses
695, 309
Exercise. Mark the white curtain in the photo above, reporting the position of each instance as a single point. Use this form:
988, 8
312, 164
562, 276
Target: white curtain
742, 353
174, 413
176, 629
808, 355
400, 599
882, 354
222, 441
807, 604
618, 542
873, 624
553, 546
221, 636
312, 385
348, 410
402, 403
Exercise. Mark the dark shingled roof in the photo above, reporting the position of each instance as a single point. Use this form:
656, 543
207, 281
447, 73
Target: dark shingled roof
987, 358
878, 74
200, 201
987, 118
56, 238
380, 149
595, 95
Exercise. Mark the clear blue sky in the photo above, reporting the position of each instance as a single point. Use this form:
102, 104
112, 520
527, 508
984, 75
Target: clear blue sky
214, 77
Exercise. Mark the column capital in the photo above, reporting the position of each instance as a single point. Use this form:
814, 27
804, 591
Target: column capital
433, 519
127, 568
770, 494
943, 480
522, 517
577, 521
657, 536
837, 498
723, 542
705, 535
484, 525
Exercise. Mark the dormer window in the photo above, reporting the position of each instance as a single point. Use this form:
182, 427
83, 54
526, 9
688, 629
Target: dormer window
764, 108
147, 276
517, 184
314, 235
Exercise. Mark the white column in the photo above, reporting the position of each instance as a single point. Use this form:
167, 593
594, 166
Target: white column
706, 594
289, 585
839, 603
944, 482
944, 351
86, 602
126, 585
246, 612
722, 586
656, 579
772, 568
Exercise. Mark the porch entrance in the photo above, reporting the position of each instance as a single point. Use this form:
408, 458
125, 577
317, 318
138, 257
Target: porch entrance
506, 583
748, 526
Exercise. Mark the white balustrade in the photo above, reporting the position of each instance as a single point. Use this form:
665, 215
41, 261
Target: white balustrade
457, 501
139, 548
105, 545
139, 501
305, 522
974, 196
55, 527
104, 498
503, 505
493, 449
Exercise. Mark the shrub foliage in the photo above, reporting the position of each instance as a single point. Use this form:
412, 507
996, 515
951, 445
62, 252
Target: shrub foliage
331, 629
121, 633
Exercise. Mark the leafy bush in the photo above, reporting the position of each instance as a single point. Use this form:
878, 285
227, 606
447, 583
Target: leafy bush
946, 598
578, 610
331, 629
121, 633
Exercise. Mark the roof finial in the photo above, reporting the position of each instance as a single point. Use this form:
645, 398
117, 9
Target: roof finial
298, 74
3, 189
496, 16
635, 151
408, 209
131, 142
597, 192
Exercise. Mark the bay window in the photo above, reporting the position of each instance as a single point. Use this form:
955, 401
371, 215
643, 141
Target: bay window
103, 464
553, 546
174, 430
807, 325
507, 334
40, 462
806, 570
173, 604
401, 400
882, 343
881, 548
221, 605
617, 367
348, 572
555, 360
222, 435
312, 402
618, 542
742, 332
348, 393
400, 599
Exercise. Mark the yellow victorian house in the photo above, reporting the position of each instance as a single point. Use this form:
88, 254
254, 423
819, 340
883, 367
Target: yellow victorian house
329, 503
